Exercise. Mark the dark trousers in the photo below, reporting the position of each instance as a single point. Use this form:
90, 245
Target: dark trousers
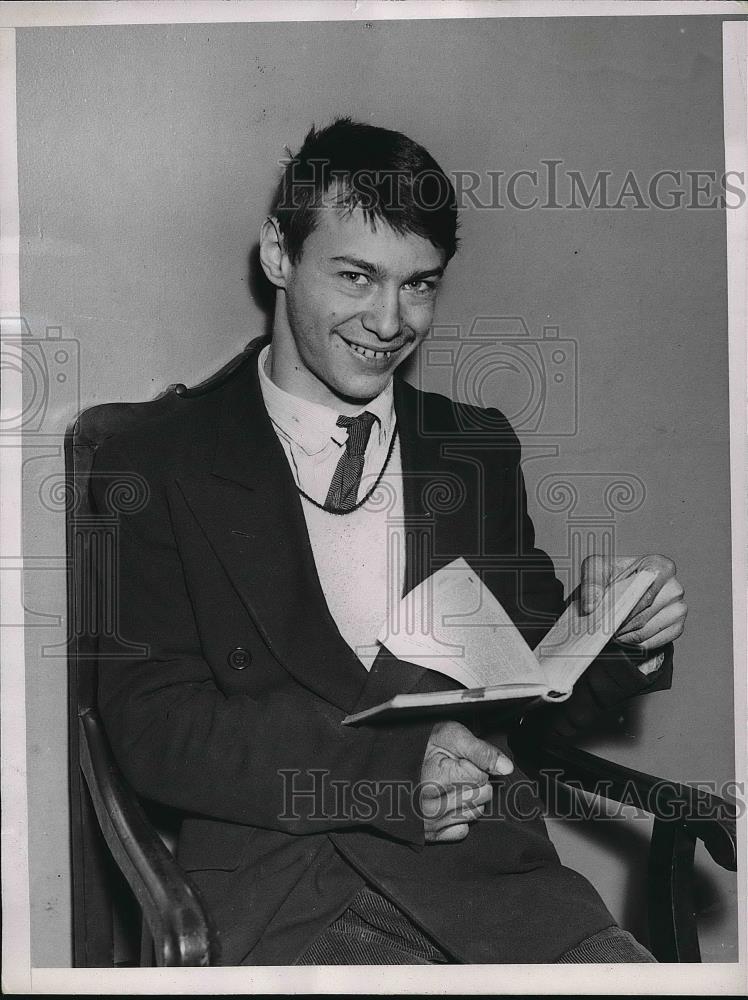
372, 931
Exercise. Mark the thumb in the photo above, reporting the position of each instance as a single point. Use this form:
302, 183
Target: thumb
484, 755
595, 573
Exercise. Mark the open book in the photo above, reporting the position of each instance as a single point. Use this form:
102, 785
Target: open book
452, 623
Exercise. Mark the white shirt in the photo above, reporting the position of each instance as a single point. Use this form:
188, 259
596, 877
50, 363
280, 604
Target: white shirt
312, 440
358, 555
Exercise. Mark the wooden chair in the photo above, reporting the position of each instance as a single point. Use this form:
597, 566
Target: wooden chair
132, 904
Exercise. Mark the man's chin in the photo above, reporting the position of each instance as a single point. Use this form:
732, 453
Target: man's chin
361, 392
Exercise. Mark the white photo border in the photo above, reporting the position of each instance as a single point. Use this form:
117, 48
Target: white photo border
18, 975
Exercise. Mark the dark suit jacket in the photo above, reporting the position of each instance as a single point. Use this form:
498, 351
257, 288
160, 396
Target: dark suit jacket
246, 680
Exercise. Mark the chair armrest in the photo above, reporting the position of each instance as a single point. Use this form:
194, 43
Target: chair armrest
170, 905
705, 815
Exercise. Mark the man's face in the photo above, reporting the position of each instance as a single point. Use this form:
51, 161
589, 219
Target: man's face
353, 307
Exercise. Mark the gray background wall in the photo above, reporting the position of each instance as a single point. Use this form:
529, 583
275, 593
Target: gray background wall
147, 156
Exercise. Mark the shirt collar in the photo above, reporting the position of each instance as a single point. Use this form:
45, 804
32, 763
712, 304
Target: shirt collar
313, 425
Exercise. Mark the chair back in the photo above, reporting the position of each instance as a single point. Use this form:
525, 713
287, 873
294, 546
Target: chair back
106, 921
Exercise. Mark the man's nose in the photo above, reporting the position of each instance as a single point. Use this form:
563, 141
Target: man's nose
383, 316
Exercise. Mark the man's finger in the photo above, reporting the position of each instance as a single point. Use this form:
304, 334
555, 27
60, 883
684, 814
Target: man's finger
453, 752
460, 771
659, 638
663, 638
595, 576
466, 814
457, 818
455, 801
665, 570
478, 796
466, 797
450, 834
484, 755
671, 616
671, 593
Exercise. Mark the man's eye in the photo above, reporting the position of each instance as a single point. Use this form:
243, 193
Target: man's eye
355, 278
421, 285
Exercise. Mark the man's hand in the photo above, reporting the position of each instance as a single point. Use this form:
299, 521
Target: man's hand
659, 616
455, 780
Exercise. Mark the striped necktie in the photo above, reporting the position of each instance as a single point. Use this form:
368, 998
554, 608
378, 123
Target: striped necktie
347, 477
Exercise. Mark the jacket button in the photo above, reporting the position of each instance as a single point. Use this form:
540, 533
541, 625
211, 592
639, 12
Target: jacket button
239, 658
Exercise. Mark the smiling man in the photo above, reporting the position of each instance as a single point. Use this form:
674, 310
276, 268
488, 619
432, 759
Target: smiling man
288, 509
354, 306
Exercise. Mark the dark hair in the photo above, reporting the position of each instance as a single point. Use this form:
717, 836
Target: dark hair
389, 176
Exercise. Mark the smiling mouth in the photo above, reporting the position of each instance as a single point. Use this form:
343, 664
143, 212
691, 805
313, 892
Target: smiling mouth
368, 352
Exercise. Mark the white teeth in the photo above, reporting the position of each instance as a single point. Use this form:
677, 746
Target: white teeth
367, 353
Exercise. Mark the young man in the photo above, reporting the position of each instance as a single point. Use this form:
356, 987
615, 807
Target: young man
287, 509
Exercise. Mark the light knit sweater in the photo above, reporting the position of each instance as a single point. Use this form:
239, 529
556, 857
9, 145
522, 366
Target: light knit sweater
359, 555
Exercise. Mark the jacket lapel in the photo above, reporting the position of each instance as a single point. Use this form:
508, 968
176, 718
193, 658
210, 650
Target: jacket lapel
423, 468
422, 465
250, 510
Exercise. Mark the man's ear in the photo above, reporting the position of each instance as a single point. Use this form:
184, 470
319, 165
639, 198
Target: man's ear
273, 256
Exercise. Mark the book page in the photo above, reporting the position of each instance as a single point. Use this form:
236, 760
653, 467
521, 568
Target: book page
576, 639
452, 623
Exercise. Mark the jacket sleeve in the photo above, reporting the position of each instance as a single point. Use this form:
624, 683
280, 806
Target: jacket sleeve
613, 677
281, 760
610, 681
